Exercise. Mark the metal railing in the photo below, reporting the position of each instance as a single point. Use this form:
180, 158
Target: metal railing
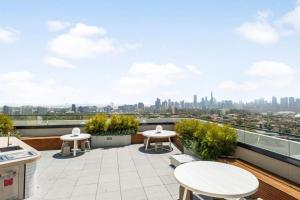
268, 141
274, 144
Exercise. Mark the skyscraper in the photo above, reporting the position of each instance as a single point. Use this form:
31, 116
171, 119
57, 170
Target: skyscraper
157, 104
73, 108
292, 103
284, 102
274, 101
195, 101
141, 106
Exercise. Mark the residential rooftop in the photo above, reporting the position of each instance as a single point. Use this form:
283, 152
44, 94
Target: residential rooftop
125, 173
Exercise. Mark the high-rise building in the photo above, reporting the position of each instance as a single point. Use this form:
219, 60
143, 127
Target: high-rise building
274, 101
298, 104
7, 110
195, 101
284, 102
292, 103
141, 106
164, 105
169, 103
157, 104
26, 110
73, 109
211, 98
42, 110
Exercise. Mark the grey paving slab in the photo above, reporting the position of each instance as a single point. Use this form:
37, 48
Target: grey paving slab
89, 189
151, 181
109, 196
111, 186
134, 194
122, 173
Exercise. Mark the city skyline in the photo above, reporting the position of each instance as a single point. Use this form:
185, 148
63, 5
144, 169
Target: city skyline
103, 52
204, 103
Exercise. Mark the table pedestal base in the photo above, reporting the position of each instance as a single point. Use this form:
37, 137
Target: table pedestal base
185, 194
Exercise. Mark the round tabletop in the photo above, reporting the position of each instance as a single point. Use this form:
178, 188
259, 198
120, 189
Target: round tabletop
216, 179
162, 134
71, 137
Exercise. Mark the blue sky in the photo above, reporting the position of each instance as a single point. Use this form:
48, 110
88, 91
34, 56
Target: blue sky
57, 52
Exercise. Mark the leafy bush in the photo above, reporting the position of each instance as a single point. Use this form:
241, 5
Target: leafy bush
208, 140
7, 126
115, 125
96, 124
122, 125
186, 130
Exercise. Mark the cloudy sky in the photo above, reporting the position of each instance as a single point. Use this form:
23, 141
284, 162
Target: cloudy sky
57, 52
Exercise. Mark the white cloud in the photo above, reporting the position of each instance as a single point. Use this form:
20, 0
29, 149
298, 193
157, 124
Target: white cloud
16, 76
263, 15
85, 30
24, 87
143, 78
83, 41
265, 32
193, 69
8, 35
235, 86
291, 21
264, 75
56, 25
259, 32
58, 62
270, 69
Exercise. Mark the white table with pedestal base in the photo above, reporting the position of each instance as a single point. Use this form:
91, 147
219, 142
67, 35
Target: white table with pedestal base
163, 134
75, 139
214, 179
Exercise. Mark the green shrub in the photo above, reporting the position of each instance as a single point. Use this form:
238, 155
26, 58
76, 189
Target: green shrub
7, 126
96, 124
208, 140
115, 125
186, 130
122, 125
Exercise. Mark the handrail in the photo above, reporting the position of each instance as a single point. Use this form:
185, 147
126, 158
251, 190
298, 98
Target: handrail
148, 115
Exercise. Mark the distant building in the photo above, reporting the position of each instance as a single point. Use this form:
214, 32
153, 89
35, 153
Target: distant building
157, 104
42, 110
164, 105
284, 103
292, 103
107, 109
127, 108
298, 104
73, 108
26, 110
274, 101
195, 101
141, 106
7, 110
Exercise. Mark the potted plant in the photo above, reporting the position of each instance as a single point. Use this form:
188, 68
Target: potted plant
206, 140
113, 131
7, 127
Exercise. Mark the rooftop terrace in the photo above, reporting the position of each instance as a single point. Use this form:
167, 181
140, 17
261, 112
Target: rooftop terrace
125, 173
130, 172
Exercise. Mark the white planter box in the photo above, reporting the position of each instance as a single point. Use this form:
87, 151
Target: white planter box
111, 140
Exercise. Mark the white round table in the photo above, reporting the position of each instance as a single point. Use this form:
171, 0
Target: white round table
75, 139
215, 179
163, 134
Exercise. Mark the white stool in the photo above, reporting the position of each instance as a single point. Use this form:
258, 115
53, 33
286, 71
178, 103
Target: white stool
87, 145
158, 145
65, 149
